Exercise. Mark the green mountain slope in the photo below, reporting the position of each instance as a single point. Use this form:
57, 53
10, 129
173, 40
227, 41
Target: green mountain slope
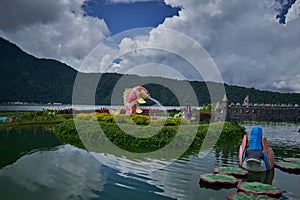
26, 78
29, 79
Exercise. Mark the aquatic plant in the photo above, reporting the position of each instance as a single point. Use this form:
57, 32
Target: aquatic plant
234, 171
247, 196
292, 166
259, 188
218, 179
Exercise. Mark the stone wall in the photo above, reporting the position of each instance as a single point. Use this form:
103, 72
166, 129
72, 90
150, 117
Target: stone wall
270, 113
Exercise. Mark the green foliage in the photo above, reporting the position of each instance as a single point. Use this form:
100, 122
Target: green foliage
207, 108
205, 116
65, 116
108, 118
67, 133
85, 116
231, 130
140, 119
130, 119
26, 78
34, 116
150, 138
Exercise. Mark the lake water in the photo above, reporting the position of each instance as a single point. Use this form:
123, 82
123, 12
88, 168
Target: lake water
29, 107
35, 165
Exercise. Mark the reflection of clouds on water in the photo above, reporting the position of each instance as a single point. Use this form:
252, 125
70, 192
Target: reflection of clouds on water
65, 173
177, 180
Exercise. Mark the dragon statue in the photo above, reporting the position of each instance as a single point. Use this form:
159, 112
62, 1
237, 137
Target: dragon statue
133, 97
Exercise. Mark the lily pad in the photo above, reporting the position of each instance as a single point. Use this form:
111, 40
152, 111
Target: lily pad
288, 166
259, 188
294, 160
218, 179
247, 196
234, 171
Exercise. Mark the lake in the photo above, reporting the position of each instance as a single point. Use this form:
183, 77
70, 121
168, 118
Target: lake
29, 107
36, 165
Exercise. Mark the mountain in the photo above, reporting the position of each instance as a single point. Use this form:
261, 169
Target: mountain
29, 79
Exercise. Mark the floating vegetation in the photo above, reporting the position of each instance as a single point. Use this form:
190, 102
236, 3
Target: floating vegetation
247, 196
295, 160
234, 171
292, 166
259, 188
218, 179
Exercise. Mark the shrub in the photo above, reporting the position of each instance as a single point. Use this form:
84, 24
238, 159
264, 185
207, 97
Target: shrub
205, 116
157, 122
84, 116
140, 119
123, 119
160, 137
172, 121
105, 117
65, 116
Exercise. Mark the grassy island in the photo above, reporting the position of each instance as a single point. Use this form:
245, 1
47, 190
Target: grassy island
140, 134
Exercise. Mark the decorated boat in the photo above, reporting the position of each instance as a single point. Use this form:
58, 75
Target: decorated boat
257, 156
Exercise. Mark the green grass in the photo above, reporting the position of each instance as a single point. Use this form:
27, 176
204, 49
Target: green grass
33, 118
141, 138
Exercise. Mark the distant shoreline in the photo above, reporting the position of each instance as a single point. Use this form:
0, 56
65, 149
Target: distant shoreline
40, 107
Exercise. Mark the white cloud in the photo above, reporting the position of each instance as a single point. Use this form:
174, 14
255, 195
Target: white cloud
244, 38
52, 29
294, 12
129, 1
289, 83
62, 173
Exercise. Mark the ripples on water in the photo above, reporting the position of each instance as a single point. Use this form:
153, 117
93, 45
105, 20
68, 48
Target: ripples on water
283, 138
67, 172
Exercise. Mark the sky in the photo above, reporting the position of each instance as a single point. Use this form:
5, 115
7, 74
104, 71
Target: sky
253, 43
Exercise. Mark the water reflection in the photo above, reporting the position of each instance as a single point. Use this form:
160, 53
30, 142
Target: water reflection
262, 177
64, 173
16, 142
283, 138
226, 153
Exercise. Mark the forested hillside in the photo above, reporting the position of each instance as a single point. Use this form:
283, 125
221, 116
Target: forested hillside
29, 79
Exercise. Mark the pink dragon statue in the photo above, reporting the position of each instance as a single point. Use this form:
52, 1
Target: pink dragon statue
133, 97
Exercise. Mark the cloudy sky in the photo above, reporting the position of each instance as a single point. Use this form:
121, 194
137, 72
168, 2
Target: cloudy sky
253, 43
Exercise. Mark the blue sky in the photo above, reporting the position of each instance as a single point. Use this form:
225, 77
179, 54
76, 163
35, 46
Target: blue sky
124, 16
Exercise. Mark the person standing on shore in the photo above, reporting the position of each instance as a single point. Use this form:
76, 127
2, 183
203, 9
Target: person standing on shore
246, 103
188, 112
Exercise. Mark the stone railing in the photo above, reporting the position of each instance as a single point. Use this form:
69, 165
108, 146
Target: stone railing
263, 112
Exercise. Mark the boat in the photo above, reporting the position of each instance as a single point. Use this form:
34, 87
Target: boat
257, 156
